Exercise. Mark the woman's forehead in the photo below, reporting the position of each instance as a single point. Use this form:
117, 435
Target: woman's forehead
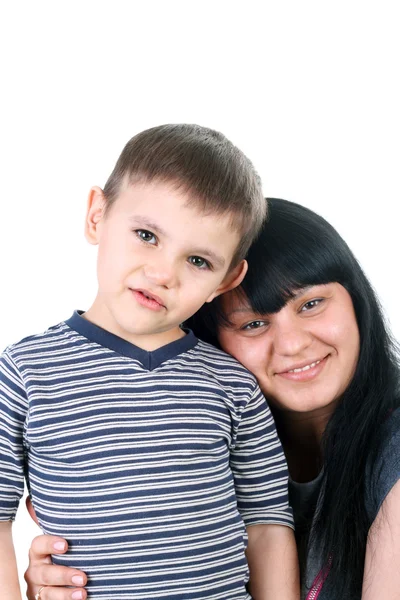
236, 301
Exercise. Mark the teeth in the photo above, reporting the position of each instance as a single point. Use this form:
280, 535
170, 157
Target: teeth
305, 368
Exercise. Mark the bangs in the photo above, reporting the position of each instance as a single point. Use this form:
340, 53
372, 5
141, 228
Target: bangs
296, 249
270, 285
293, 253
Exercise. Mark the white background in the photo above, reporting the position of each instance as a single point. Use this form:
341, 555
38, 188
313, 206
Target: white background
309, 90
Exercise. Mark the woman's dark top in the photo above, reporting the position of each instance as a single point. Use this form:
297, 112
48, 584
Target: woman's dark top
304, 498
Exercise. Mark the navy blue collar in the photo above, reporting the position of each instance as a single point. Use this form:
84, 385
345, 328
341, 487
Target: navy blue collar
149, 360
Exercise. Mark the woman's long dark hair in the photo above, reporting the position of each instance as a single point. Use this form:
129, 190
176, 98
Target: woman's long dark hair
297, 248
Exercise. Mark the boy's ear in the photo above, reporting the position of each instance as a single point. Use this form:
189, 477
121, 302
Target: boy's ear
232, 279
94, 213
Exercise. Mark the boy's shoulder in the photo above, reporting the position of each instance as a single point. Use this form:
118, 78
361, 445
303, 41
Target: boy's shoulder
223, 365
35, 343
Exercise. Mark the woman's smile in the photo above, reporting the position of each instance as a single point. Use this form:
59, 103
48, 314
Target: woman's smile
304, 372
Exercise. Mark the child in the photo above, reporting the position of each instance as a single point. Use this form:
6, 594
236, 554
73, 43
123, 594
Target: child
151, 452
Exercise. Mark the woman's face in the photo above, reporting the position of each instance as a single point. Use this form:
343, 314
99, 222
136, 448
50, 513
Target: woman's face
303, 356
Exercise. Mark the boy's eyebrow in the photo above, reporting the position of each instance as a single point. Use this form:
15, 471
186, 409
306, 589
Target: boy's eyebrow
216, 260
142, 221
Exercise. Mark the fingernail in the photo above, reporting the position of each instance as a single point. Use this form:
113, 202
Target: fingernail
78, 595
59, 546
77, 580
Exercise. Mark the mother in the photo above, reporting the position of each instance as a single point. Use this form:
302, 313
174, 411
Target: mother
306, 322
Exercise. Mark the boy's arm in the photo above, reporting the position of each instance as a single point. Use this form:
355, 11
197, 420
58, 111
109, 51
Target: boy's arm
13, 407
272, 557
261, 483
10, 589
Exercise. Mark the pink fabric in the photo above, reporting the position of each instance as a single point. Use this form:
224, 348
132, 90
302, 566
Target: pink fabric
319, 581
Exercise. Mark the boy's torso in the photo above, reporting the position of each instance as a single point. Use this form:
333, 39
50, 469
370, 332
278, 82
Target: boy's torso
131, 465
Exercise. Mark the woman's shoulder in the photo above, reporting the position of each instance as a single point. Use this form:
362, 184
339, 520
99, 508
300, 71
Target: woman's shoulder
383, 471
390, 436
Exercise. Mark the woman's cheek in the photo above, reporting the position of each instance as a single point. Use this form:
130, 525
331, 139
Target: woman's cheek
247, 352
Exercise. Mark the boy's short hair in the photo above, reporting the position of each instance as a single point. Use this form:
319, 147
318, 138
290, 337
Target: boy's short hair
215, 174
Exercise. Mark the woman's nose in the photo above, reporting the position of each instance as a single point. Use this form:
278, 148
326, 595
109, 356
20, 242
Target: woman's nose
291, 336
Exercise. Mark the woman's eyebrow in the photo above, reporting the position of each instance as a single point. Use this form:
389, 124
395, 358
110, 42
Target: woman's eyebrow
295, 295
301, 292
239, 310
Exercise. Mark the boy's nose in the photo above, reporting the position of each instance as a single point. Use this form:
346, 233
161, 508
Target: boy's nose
161, 273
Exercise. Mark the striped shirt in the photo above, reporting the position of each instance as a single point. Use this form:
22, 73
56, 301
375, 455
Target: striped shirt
150, 464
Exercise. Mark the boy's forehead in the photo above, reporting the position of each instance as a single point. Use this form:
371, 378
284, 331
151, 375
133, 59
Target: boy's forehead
171, 192
157, 187
156, 197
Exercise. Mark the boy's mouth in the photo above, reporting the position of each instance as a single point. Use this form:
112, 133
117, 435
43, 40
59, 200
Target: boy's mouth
146, 298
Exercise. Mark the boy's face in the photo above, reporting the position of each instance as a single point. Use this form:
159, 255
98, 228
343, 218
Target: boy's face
158, 261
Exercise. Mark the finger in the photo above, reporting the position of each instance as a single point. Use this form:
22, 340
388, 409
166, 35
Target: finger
54, 575
57, 593
44, 545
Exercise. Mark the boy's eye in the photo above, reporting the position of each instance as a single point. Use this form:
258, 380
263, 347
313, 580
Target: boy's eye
311, 304
146, 236
200, 263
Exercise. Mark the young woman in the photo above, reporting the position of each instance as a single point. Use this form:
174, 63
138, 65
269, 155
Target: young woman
306, 322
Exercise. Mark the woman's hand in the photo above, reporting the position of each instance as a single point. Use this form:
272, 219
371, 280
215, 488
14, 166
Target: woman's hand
41, 572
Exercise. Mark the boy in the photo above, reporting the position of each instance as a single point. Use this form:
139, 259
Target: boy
148, 450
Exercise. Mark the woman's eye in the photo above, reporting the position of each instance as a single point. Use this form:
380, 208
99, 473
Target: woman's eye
146, 236
254, 325
311, 304
200, 263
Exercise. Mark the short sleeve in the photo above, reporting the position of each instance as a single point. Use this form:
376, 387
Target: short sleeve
259, 467
13, 409
384, 472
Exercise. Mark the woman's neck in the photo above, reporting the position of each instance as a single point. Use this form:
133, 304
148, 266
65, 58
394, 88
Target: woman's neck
301, 437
